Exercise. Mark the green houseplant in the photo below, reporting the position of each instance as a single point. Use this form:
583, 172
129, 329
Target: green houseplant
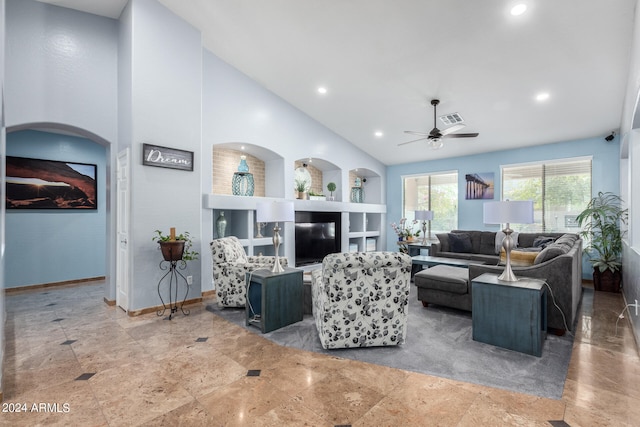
601, 222
178, 249
301, 188
331, 187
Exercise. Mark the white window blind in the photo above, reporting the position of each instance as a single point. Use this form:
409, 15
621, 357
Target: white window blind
560, 191
435, 192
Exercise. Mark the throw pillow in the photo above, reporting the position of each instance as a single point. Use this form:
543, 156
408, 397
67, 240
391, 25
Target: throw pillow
542, 241
520, 258
550, 252
460, 242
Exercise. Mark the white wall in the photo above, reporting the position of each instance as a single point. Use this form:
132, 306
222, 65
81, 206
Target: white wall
630, 161
237, 109
61, 74
162, 90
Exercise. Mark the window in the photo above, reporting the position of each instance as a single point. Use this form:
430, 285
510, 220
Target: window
559, 190
436, 192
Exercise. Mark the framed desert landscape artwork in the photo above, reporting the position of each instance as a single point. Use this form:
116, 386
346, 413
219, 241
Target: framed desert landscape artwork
50, 184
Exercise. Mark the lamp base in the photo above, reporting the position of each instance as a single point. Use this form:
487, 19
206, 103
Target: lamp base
277, 268
507, 275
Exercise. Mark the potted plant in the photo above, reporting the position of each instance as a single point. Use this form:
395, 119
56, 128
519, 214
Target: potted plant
331, 187
316, 196
601, 223
301, 188
175, 248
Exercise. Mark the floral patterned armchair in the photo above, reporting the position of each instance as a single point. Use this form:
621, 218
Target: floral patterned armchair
230, 265
361, 299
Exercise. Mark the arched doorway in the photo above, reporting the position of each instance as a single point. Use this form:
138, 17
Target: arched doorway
98, 225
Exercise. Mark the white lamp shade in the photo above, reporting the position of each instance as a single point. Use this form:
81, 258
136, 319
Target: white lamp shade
424, 215
508, 212
275, 212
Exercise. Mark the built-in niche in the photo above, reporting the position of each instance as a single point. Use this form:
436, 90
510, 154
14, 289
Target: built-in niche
322, 172
365, 186
225, 164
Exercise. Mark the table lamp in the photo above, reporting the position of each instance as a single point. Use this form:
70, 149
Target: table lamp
275, 212
425, 216
506, 212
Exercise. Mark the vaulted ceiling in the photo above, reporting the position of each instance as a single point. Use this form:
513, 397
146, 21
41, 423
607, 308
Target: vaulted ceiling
381, 62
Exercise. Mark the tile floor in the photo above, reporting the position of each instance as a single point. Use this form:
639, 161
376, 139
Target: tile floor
83, 363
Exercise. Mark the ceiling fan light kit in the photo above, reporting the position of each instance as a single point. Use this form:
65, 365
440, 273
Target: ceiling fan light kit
434, 138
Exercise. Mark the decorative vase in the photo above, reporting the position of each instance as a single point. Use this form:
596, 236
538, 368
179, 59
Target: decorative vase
243, 166
242, 183
172, 250
357, 194
221, 225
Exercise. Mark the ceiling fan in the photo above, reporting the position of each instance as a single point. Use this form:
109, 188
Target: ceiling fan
436, 135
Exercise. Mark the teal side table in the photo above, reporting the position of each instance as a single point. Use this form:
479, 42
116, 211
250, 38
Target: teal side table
512, 315
274, 300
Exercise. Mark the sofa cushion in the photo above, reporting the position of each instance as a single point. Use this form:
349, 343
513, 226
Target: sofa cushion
444, 241
444, 278
460, 242
551, 251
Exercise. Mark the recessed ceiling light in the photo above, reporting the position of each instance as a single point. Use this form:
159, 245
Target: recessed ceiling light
518, 9
322, 90
542, 96
378, 133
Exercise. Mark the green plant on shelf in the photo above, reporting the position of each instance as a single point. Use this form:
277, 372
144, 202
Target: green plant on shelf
188, 254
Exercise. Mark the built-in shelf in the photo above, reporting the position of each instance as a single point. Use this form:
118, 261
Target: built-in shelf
362, 223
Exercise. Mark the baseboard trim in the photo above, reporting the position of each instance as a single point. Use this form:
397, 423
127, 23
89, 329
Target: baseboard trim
208, 294
109, 302
134, 313
31, 288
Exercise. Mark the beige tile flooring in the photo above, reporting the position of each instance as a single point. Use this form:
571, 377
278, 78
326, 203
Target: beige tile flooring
150, 371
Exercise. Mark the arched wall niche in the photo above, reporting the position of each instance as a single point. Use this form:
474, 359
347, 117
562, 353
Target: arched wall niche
322, 173
265, 165
371, 183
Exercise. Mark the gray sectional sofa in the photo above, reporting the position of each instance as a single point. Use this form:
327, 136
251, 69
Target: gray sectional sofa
556, 259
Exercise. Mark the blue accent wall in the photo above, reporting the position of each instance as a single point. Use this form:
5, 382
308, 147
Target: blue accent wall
47, 246
605, 176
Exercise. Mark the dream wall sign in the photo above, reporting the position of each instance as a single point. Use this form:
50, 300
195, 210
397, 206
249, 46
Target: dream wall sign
164, 157
50, 184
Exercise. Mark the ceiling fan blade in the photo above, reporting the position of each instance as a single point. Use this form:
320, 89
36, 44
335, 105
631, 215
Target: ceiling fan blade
462, 135
452, 129
412, 132
415, 140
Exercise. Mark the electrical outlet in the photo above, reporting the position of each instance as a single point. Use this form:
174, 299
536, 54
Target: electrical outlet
190, 282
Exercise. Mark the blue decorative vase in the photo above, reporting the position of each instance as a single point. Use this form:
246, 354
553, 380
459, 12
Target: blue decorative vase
243, 166
242, 183
357, 195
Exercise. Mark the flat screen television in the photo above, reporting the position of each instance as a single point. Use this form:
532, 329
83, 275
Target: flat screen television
317, 235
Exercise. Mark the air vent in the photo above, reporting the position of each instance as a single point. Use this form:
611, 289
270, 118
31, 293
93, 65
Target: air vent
451, 119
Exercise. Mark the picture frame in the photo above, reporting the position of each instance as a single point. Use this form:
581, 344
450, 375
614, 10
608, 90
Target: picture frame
479, 186
50, 184
165, 157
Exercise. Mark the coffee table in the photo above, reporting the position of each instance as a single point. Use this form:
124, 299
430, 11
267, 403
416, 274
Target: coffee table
430, 261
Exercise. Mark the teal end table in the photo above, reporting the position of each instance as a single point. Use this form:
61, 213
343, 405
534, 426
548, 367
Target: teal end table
274, 300
512, 315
